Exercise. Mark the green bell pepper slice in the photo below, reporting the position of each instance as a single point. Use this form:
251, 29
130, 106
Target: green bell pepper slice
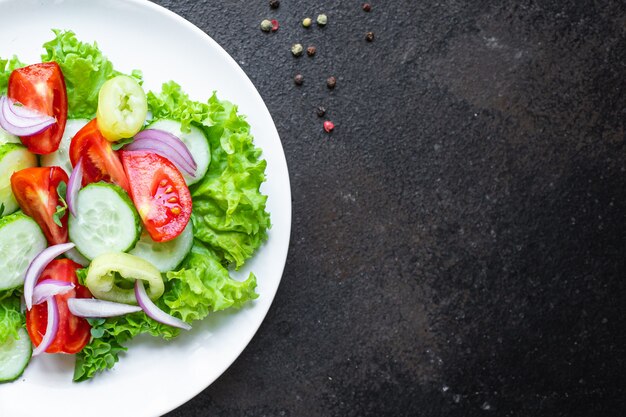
112, 276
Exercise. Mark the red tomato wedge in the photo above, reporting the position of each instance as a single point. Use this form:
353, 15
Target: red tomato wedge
35, 190
159, 192
100, 161
73, 332
41, 87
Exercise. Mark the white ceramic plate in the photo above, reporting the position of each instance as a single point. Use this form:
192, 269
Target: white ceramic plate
154, 377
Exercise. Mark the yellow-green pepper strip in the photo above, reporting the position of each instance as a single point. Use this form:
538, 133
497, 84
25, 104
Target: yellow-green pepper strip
101, 277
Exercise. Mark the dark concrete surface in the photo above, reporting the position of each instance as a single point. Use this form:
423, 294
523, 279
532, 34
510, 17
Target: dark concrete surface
459, 240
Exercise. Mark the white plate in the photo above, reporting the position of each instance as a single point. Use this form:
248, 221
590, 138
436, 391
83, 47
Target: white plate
154, 377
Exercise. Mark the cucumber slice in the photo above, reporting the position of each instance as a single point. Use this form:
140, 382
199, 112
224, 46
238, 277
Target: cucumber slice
13, 157
21, 240
14, 356
75, 256
196, 142
166, 256
6, 137
61, 157
106, 221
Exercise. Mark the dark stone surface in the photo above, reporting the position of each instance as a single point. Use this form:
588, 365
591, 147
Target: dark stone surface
458, 241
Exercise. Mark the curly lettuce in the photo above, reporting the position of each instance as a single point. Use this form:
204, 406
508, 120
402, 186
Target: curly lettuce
228, 208
203, 285
85, 69
11, 317
6, 67
108, 339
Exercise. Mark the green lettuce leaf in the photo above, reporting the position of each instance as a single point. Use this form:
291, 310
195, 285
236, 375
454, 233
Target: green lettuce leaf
228, 208
99, 355
85, 69
11, 317
108, 339
204, 285
81, 275
6, 67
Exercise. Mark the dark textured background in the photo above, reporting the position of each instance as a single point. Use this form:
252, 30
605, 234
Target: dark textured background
458, 242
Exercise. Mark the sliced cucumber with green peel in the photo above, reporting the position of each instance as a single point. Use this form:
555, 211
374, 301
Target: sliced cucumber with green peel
61, 157
195, 141
14, 356
6, 137
13, 157
21, 240
75, 256
106, 221
166, 256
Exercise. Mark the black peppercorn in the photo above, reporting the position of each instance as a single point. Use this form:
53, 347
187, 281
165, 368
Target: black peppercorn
331, 82
321, 111
274, 4
369, 37
310, 51
298, 79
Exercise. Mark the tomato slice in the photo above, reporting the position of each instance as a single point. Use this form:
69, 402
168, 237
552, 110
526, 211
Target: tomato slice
159, 192
100, 161
35, 190
41, 87
73, 332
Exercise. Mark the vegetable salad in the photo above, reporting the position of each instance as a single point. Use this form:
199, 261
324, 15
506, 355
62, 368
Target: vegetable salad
122, 211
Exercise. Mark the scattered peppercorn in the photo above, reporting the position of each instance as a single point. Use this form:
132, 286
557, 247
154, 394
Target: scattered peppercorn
296, 49
369, 36
274, 4
275, 25
321, 111
322, 20
307, 22
310, 51
266, 25
298, 79
328, 126
331, 82
367, 7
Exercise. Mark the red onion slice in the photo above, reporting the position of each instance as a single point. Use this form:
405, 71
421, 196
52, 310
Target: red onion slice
49, 288
37, 265
169, 139
21, 111
51, 328
73, 186
92, 307
155, 312
21, 116
21, 121
164, 150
